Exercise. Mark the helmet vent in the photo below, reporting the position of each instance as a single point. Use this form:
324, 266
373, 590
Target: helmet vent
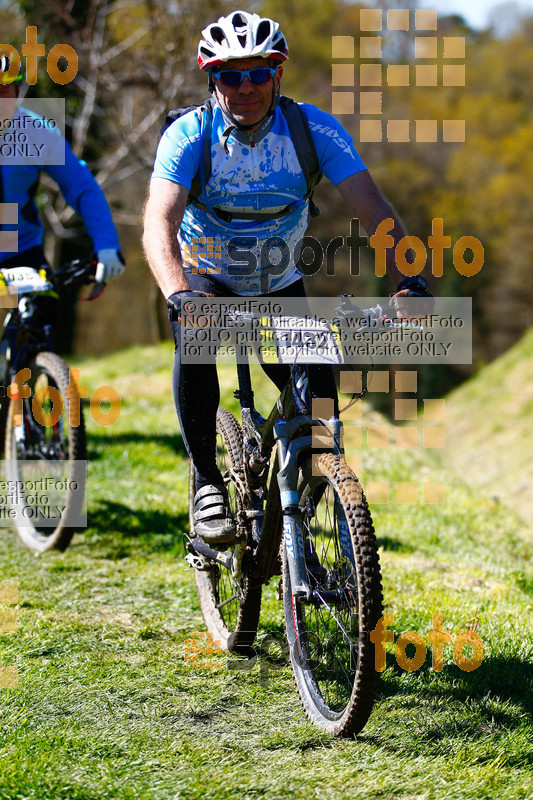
218, 35
263, 31
242, 40
238, 21
280, 46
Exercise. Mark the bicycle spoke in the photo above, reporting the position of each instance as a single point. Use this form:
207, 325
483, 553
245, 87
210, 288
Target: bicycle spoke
229, 600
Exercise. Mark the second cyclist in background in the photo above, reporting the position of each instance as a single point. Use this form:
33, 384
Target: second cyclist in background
19, 176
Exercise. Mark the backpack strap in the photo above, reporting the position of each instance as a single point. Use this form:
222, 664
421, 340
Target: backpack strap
204, 172
305, 147
173, 115
206, 110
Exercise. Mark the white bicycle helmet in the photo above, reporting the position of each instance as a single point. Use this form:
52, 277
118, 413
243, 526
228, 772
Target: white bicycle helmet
241, 35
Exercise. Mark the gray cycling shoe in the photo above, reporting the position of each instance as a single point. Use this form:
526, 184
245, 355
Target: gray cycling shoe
212, 519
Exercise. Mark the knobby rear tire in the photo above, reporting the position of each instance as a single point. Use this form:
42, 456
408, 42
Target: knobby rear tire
62, 442
332, 657
230, 609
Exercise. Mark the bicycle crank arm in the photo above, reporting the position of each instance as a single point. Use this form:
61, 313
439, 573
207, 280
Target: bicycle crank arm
199, 546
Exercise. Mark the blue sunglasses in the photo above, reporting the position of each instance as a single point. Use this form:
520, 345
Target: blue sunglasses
234, 77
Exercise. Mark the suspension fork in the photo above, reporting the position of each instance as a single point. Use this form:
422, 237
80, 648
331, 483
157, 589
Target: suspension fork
293, 540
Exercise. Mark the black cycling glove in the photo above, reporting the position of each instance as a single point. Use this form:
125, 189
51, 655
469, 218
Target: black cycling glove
176, 302
417, 286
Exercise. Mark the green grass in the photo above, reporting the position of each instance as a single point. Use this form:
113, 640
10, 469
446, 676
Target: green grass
488, 428
108, 707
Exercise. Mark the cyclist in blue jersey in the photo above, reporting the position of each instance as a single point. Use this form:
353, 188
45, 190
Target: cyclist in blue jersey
27, 147
256, 189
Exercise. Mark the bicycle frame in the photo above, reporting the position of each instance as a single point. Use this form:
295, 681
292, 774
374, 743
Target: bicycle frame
273, 504
19, 352
285, 429
40, 335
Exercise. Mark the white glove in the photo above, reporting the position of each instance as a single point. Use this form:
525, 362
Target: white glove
110, 265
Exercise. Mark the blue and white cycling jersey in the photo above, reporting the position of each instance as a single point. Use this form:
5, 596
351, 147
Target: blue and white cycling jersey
266, 176
27, 147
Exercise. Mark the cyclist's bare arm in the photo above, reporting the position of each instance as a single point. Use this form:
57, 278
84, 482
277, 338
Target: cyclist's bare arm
371, 208
163, 213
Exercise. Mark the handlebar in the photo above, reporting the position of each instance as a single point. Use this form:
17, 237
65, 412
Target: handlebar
375, 317
372, 318
75, 274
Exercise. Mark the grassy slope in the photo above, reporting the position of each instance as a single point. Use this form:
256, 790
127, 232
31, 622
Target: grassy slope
108, 707
489, 432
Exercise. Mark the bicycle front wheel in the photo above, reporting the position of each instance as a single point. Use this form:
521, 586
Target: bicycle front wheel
230, 602
46, 458
332, 658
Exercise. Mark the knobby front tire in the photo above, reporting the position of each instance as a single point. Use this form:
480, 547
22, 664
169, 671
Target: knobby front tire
32, 443
230, 607
332, 658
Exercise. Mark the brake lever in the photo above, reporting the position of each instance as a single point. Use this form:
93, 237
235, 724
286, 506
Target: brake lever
96, 292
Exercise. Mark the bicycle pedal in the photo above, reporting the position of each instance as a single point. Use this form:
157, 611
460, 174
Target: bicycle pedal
198, 562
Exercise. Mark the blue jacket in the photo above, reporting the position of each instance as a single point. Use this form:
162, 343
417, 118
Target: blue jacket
28, 147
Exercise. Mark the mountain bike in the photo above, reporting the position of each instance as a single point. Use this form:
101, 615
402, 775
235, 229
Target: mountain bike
300, 511
41, 415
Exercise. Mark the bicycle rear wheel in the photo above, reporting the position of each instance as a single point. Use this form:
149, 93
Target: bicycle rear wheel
230, 603
332, 657
46, 463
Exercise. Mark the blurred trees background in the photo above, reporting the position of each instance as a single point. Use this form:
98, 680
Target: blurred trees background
137, 58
